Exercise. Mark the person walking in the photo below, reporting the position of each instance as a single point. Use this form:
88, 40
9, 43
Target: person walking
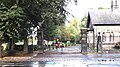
99, 43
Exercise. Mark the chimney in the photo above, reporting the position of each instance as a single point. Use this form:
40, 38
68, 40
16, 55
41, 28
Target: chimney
111, 5
114, 5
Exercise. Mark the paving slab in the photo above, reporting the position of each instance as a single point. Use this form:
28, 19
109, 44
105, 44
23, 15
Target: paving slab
68, 57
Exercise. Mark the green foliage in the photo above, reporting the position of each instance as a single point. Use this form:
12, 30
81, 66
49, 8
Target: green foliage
10, 19
70, 32
83, 22
1, 34
52, 12
73, 29
30, 47
18, 16
60, 32
102, 8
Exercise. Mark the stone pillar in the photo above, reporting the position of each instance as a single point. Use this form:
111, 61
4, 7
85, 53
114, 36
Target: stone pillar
84, 44
93, 39
40, 39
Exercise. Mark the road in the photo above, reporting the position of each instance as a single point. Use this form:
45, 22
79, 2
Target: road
67, 57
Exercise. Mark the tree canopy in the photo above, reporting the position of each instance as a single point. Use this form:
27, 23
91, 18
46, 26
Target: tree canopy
69, 32
18, 16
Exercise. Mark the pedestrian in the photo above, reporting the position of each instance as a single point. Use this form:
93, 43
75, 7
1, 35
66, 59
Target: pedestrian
110, 37
44, 46
99, 43
57, 43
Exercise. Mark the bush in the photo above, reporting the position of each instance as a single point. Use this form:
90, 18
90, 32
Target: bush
18, 47
11, 52
33, 47
117, 45
21, 47
5, 53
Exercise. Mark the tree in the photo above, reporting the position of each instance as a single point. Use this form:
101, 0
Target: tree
52, 12
10, 19
70, 32
1, 38
74, 29
51, 15
19, 16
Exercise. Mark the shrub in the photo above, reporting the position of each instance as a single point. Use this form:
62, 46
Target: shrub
21, 47
117, 45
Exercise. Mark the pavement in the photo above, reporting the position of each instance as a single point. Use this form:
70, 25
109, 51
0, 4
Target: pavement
67, 57
37, 54
66, 50
66, 53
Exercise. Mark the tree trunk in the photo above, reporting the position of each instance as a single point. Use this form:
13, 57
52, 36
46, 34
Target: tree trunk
0, 48
10, 43
13, 43
26, 45
11, 47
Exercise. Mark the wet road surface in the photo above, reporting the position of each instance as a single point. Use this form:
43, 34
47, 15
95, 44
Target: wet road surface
70, 57
68, 60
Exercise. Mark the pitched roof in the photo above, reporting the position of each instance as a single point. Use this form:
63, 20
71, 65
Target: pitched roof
104, 17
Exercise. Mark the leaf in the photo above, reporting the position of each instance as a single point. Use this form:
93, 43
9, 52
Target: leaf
1, 34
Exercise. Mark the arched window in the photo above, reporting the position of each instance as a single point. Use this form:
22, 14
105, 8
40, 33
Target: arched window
103, 37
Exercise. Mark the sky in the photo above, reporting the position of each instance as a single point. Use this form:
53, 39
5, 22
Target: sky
83, 6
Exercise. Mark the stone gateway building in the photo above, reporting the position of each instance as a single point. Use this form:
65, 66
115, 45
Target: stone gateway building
105, 22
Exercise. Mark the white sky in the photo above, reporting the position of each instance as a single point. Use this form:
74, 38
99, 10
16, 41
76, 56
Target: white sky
82, 7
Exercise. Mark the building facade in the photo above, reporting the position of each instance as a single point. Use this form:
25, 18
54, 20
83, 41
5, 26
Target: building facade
107, 23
